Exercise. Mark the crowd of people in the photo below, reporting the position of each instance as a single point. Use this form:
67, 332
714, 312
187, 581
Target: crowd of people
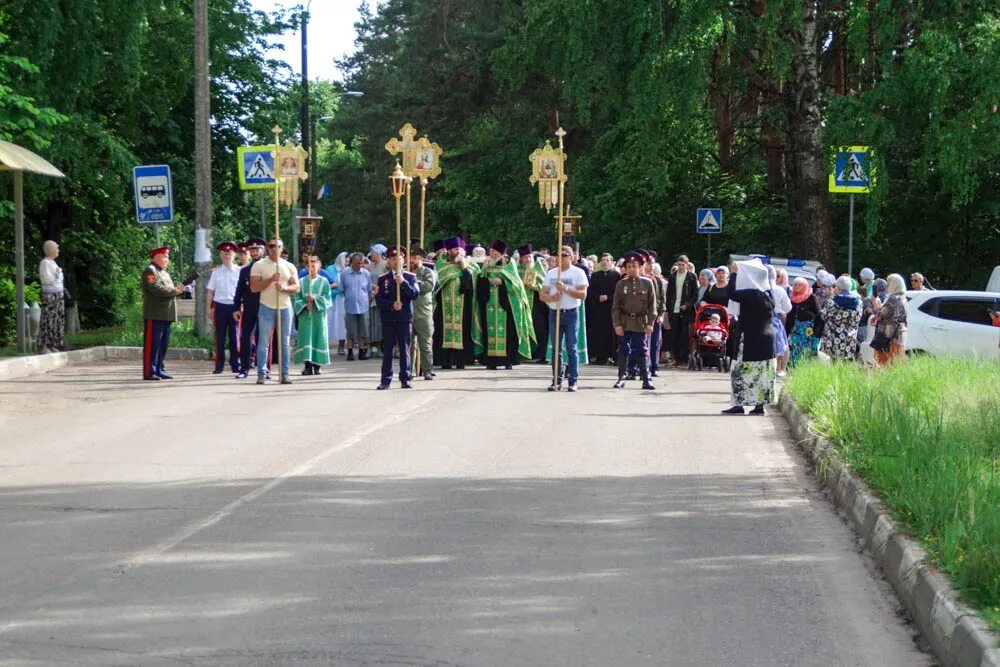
465, 304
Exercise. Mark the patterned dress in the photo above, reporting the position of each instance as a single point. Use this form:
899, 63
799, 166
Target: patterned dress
803, 343
840, 336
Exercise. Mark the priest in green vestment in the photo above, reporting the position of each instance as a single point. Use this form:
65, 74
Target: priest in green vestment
455, 302
503, 331
312, 345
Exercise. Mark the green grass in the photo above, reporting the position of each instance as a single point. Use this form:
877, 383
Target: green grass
925, 434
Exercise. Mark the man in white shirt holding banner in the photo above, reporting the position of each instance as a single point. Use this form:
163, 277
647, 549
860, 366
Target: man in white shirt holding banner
564, 289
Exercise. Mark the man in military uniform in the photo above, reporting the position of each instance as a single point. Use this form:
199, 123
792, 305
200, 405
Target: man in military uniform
423, 312
220, 294
159, 311
633, 312
249, 301
396, 292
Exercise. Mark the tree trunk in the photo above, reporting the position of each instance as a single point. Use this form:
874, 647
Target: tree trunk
203, 163
808, 200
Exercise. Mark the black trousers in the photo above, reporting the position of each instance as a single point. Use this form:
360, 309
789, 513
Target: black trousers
680, 337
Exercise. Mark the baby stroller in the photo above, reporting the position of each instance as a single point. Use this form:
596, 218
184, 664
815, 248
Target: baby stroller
710, 347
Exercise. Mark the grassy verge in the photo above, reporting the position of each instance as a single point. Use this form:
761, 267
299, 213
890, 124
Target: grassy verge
925, 434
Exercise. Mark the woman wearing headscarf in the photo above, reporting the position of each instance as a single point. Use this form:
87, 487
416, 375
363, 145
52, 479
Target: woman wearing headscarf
782, 304
376, 255
706, 279
335, 314
841, 314
753, 371
800, 322
718, 293
890, 322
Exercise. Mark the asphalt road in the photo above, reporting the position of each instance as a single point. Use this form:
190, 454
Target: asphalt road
473, 520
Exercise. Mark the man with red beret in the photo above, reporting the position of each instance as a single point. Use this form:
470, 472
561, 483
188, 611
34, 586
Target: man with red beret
159, 312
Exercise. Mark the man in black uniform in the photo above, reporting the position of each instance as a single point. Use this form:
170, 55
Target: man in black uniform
250, 302
394, 296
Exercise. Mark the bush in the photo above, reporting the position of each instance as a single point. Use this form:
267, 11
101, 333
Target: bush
8, 297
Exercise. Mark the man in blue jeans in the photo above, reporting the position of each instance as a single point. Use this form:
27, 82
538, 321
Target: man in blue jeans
276, 280
564, 289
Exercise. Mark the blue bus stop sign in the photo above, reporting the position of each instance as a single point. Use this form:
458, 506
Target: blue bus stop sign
154, 196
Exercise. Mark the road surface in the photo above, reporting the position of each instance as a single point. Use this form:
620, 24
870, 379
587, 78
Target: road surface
473, 520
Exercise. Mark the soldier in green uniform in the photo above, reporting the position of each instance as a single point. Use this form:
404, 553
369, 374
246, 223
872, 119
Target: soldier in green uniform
423, 312
159, 312
633, 312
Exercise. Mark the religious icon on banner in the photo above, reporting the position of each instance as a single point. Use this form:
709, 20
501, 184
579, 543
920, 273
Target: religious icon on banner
291, 161
427, 163
548, 171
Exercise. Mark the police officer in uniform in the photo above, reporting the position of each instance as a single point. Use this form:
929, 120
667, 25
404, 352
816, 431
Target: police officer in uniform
159, 311
423, 311
249, 302
633, 312
396, 315
221, 293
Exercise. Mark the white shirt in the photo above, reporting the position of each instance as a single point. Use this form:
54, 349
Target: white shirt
679, 279
265, 268
223, 282
51, 276
573, 277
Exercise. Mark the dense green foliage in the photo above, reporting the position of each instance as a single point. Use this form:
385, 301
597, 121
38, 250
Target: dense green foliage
925, 434
673, 105
118, 74
669, 105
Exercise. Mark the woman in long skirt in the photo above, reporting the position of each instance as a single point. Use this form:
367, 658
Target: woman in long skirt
800, 323
753, 372
311, 304
335, 321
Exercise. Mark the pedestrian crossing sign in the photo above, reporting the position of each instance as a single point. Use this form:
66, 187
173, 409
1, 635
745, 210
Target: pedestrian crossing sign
709, 221
256, 167
853, 170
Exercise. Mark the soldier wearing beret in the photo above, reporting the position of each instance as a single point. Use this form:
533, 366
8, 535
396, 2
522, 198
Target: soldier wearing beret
394, 295
633, 312
247, 303
159, 311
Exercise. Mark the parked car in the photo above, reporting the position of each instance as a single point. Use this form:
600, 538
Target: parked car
953, 322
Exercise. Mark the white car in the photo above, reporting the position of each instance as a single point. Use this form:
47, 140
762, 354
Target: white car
952, 322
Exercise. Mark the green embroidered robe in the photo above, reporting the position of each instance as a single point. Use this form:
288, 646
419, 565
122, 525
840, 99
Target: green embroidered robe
312, 339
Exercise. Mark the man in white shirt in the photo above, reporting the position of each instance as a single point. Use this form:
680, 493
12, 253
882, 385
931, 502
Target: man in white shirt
221, 291
276, 280
565, 287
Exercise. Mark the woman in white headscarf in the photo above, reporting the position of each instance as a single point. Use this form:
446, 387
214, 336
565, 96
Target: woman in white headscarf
335, 314
753, 372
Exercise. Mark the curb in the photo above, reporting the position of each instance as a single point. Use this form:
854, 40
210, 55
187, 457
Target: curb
36, 364
957, 636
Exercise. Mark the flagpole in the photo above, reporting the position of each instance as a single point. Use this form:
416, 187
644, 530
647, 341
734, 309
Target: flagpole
277, 235
556, 359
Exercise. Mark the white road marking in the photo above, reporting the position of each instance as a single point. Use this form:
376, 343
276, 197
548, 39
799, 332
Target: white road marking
145, 556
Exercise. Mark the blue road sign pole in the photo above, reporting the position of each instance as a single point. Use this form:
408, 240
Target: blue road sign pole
850, 239
156, 228
709, 249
